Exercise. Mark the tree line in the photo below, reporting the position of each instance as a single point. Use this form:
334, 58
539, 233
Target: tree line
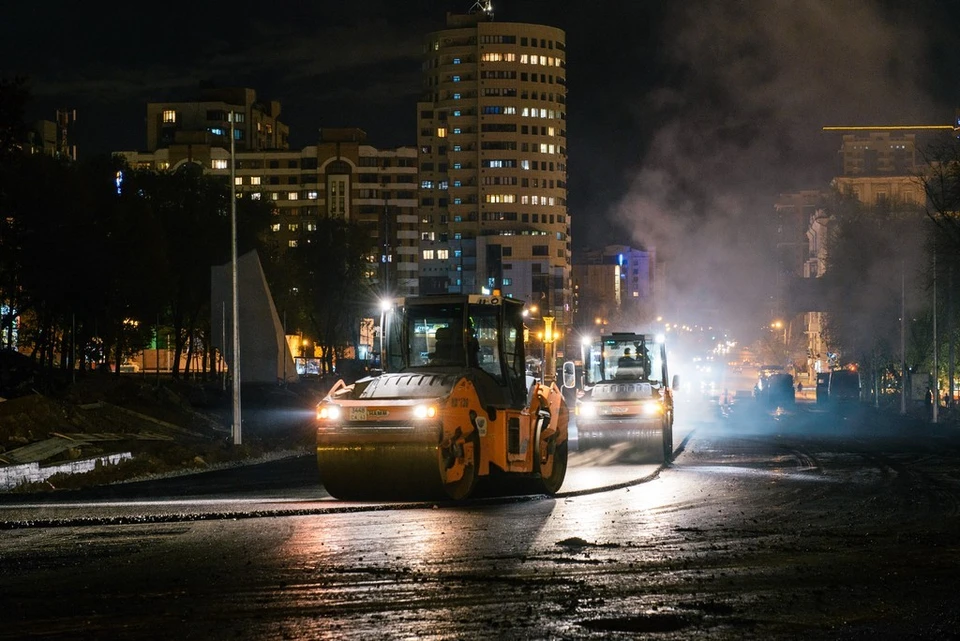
99, 259
893, 271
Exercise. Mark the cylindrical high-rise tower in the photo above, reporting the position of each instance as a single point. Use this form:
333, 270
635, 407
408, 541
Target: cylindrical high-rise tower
493, 162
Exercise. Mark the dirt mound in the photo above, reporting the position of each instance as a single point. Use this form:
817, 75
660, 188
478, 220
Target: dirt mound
32, 418
167, 426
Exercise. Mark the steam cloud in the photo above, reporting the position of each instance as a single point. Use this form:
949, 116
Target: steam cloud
740, 122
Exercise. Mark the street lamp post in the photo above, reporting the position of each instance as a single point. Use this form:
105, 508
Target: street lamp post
780, 325
237, 437
384, 308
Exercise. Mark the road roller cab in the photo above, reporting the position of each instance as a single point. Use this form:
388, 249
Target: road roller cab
451, 407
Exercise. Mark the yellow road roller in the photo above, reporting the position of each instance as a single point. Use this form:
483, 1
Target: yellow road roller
454, 405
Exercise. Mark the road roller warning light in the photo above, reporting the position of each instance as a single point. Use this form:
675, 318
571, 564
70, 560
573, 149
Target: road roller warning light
453, 407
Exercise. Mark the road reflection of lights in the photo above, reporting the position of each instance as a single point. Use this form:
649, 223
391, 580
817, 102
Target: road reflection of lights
377, 534
795, 473
650, 496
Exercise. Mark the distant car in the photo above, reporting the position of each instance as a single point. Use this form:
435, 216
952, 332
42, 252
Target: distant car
844, 386
777, 390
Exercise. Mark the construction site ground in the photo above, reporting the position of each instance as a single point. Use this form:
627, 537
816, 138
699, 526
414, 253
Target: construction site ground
159, 425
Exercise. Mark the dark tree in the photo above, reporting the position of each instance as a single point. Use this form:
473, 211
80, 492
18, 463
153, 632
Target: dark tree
876, 258
14, 96
192, 212
332, 272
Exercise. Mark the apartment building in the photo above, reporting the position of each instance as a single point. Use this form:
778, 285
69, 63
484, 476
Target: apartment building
616, 284
341, 176
205, 121
493, 162
880, 166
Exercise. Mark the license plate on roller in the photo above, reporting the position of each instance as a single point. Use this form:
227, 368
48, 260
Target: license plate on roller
358, 413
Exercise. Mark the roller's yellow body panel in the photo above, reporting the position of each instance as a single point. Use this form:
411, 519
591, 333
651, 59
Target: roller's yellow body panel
380, 448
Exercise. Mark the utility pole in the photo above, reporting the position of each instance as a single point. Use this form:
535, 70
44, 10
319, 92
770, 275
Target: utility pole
936, 363
952, 353
237, 437
903, 342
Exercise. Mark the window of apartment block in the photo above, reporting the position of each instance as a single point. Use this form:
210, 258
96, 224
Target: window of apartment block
169, 116
218, 164
337, 195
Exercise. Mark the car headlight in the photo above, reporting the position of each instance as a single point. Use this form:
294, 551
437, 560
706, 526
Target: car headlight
586, 409
425, 411
328, 412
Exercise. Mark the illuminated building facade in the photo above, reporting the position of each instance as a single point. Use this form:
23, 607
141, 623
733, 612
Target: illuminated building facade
493, 162
340, 177
880, 166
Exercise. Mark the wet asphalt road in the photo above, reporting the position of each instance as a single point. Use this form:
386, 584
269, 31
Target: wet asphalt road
787, 525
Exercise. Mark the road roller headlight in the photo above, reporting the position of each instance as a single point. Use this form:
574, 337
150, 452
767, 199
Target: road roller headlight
586, 409
425, 411
651, 408
328, 412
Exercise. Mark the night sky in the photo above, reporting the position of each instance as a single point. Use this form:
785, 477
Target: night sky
684, 120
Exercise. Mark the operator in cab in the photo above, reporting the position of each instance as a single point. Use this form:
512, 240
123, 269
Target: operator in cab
628, 366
